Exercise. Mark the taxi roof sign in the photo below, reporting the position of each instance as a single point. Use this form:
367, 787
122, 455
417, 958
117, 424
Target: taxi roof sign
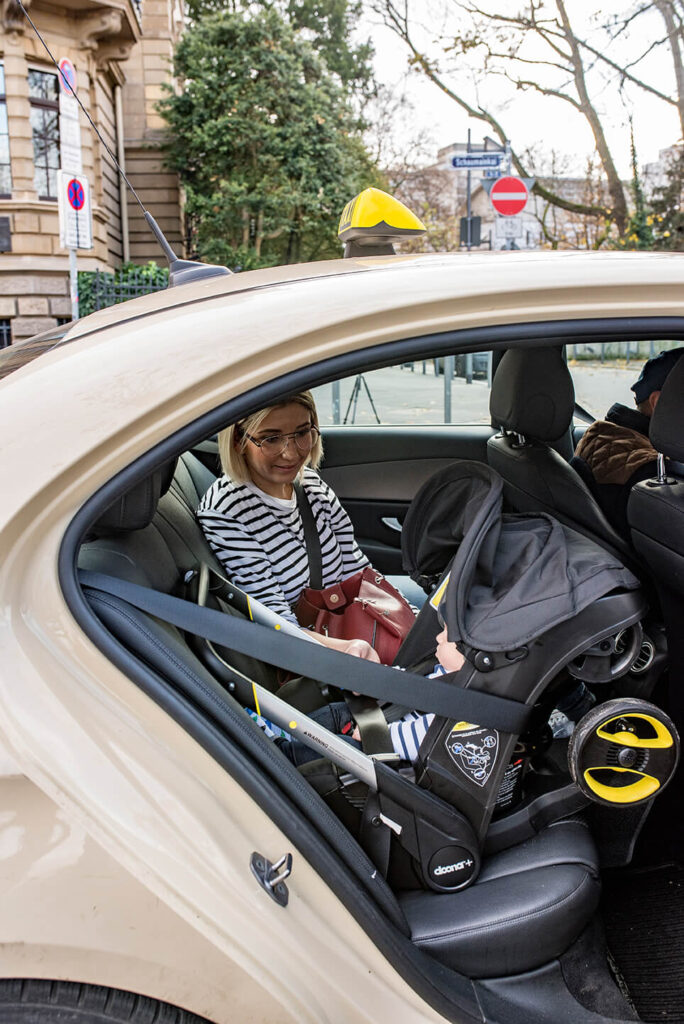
372, 220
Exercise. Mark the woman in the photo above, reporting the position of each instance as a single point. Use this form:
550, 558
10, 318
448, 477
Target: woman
250, 514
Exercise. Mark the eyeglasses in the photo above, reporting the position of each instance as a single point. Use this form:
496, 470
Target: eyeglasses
304, 441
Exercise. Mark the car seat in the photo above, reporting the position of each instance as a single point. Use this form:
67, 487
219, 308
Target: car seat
532, 401
655, 513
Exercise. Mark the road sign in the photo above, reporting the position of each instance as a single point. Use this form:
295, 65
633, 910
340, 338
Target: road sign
508, 227
69, 135
75, 194
508, 196
67, 76
471, 160
75, 216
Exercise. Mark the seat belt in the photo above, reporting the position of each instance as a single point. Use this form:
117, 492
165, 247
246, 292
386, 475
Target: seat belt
438, 695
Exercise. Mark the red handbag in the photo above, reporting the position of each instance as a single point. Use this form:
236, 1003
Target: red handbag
363, 607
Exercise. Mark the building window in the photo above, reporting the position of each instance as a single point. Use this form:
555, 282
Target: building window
44, 98
5, 333
5, 171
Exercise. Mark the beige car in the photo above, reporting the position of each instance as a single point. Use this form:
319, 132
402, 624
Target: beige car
159, 857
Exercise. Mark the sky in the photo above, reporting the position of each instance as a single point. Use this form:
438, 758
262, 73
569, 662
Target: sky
532, 120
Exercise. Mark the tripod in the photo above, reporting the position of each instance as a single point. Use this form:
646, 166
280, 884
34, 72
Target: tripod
354, 398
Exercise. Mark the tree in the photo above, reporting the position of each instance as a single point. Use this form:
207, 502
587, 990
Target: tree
639, 233
265, 141
534, 47
327, 24
666, 205
516, 47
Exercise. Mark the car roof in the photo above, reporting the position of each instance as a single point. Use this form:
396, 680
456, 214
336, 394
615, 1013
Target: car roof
484, 267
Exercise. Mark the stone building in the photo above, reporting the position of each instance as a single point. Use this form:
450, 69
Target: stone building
121, 52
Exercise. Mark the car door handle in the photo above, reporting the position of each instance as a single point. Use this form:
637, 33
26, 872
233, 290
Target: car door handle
392, 522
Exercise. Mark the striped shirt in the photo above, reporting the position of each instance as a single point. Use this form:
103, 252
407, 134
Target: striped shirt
259, 539
409, 732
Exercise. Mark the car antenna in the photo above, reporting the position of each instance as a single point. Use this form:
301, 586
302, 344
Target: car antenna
180, 271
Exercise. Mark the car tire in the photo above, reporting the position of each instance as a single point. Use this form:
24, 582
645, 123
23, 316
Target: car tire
38, 1001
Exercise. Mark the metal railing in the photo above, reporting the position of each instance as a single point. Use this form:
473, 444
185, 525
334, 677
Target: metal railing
100, 289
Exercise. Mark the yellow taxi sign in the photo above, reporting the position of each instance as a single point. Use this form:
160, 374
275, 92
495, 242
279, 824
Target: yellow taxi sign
372, 220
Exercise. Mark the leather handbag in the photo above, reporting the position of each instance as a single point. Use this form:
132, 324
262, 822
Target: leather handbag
365, 606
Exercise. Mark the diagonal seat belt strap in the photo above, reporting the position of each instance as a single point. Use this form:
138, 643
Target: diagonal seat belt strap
439, 695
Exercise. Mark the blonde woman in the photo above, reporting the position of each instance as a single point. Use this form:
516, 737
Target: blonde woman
250, 514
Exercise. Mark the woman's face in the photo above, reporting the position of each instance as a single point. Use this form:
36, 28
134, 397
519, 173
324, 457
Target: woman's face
275, 473
448, 653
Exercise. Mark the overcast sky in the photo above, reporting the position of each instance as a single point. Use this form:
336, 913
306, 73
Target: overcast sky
533, 120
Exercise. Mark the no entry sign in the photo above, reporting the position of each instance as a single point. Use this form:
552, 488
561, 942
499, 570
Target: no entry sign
509, 196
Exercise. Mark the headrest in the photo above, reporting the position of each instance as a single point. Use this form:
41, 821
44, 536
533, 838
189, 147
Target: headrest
134, 510
666, 429
532, 394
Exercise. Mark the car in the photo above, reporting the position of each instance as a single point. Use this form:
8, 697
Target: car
160, 857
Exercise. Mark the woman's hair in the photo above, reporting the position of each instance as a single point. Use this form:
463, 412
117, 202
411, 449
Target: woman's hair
233, 440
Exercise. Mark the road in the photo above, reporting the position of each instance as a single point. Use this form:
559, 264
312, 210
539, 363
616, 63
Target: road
402, 395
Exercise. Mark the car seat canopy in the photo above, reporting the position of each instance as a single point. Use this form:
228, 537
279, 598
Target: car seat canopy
513, 577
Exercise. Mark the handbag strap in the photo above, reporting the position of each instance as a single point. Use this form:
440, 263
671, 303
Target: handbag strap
311, 538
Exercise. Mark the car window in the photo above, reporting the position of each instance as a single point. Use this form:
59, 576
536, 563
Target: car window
604, 373
412, 393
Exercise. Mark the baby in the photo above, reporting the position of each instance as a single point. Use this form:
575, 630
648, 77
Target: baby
406, 734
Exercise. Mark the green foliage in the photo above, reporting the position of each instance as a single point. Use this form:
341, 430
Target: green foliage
638, 233
666, 205
265, 140
328, 25
98, 289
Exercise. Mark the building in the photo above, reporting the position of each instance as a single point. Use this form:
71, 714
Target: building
121, 52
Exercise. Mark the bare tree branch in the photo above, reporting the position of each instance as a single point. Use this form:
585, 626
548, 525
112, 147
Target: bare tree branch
399, 23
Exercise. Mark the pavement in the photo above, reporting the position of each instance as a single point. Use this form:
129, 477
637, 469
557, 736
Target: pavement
414, 394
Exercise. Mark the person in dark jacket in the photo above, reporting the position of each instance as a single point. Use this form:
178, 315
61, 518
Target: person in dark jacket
615, 453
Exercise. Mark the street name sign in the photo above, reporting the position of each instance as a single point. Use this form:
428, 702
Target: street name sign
473, 160
509, 196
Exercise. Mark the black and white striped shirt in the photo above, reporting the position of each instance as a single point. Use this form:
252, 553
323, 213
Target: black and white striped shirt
259, 539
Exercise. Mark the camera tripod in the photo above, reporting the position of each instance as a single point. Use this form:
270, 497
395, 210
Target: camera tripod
354, 398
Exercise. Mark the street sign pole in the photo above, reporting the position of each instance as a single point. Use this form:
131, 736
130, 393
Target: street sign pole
469, 224
73, 284
448, 378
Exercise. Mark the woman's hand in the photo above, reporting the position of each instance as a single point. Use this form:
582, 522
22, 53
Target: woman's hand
361, 649
358, 648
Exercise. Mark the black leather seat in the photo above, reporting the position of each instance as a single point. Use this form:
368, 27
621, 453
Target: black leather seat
529, 903
532, 400
655, 513
543, 889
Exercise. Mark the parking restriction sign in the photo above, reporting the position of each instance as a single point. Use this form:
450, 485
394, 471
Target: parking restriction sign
75, 217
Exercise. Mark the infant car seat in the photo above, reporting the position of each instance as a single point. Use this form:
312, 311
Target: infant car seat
534, 607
